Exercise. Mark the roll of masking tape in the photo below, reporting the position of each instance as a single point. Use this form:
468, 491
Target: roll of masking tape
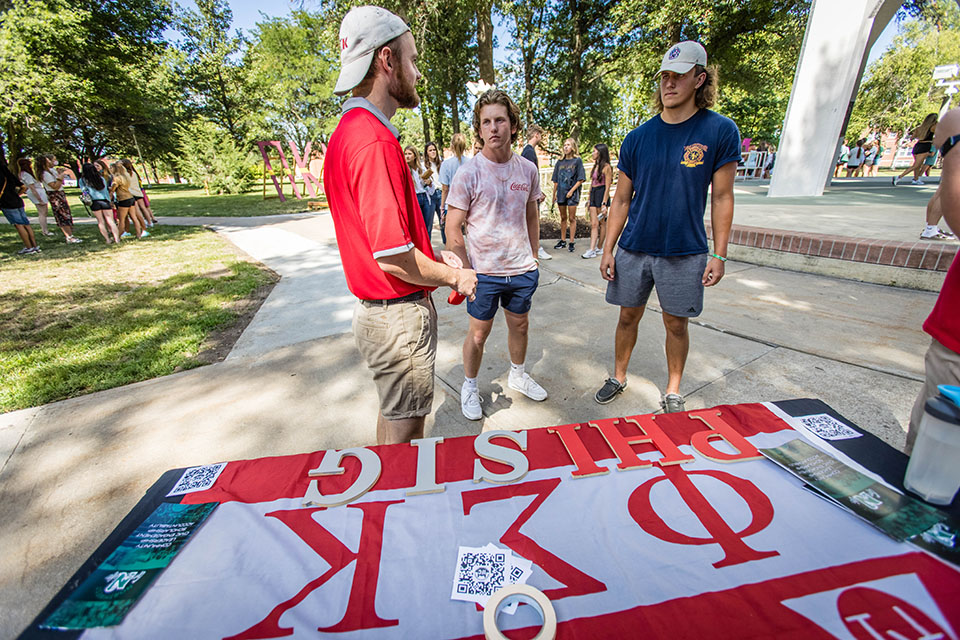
519, 593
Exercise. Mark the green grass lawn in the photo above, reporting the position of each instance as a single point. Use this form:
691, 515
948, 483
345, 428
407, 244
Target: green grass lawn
87, 317
190, 200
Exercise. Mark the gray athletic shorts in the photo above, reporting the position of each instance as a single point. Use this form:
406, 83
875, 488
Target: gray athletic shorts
678, 279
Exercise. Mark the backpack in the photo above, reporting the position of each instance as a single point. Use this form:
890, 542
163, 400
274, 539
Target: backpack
85, 196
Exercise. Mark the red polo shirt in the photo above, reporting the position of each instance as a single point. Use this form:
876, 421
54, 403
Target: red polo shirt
944, 321
373, 204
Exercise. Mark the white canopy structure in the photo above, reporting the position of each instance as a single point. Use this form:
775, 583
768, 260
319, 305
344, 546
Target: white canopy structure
837, 41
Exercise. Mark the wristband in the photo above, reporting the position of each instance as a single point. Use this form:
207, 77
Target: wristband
720, 258
951, 141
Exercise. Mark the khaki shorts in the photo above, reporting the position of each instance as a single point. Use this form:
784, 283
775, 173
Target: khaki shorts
399, 344
942, 366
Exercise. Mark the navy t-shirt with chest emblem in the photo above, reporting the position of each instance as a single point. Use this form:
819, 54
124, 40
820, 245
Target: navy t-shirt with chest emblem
671, 166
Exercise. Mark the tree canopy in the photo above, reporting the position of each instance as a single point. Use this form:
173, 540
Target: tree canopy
82, 78
898, 89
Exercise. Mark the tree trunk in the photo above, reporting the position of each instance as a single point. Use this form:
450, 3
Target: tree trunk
528, 84
485, 41
438, 127
675, 30
576, 74
426, 121
227, 109
13, 144
455, 111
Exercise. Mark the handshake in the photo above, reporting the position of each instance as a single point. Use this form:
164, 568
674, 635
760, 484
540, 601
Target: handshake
466, 283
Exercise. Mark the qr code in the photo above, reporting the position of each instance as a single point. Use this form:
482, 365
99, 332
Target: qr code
197, 479
828, 427
481, 573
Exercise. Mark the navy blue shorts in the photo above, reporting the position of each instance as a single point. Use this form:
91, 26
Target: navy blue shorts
572, 201
515, 293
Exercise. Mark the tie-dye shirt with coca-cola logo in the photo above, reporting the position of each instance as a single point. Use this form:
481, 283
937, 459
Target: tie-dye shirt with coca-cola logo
495, 197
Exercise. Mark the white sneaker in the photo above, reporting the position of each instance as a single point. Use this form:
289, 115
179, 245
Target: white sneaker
470, 403
543, 255
930, 233
589, 253
527, 386
916, 182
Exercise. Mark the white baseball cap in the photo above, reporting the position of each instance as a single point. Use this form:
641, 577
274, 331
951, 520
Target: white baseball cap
681, 57
363, 30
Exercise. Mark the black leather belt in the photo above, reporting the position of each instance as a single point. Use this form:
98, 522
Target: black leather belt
413, 297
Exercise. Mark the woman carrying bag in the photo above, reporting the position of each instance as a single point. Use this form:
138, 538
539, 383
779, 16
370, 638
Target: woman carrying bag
98, 191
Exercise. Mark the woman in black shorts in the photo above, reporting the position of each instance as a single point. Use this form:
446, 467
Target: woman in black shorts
601, 180
136, 188
126, 203
97, 188
922, 148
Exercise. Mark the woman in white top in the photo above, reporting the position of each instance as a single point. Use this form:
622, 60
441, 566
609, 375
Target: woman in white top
35, 192
431, 163
52, 177
412, 156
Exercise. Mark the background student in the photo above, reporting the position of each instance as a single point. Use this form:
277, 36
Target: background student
431, 169
412, 157
99, 191
568, 175
143, 206
448, 169
601, 180
52, 178
12, 206
921, 149
35, 193
126, 203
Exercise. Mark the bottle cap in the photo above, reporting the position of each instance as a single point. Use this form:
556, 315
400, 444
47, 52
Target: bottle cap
950, 392
943, 409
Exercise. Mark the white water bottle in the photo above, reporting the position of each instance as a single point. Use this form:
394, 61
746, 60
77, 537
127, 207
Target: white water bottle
933, 472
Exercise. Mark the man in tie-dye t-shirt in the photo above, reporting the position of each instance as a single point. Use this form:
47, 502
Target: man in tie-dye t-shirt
495, 195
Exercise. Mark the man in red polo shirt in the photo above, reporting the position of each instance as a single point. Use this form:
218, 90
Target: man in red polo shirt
942, 362
384, 244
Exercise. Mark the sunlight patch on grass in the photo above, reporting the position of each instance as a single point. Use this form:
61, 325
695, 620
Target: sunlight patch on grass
83, 318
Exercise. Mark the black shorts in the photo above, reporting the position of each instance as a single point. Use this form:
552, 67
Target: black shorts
596, 196
101, 205
129, 202
138, 198
921, 148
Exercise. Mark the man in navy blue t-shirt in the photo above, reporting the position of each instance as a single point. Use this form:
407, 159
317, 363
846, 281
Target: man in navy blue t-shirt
666, 167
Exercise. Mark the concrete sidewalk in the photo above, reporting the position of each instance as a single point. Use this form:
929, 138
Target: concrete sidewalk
294, 383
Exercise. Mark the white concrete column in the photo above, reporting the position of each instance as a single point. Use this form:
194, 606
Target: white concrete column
835, 46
